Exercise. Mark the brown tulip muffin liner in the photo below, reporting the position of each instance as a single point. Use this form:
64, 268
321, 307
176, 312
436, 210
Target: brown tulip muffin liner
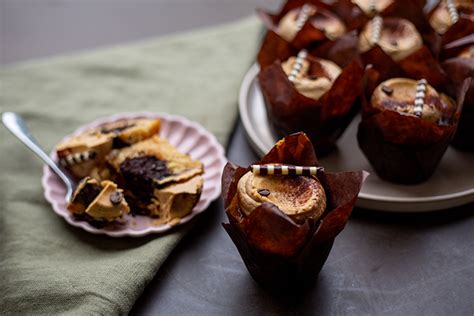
325, 119
341, 51
308, 36
463, 28
404, 148
459, 69
355, 17
280, 254
420, 64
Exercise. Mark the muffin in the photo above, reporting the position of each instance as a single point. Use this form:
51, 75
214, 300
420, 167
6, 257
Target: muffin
159, 181
313, 95
127, 168
304, 24
299, 197
405, 129
86, 151
98, 203
447, 13
394, 48
311, 76
285, 212
461, 67
397, 37
321, 19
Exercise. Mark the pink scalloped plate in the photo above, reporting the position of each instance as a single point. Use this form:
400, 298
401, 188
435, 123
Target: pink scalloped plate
188, 137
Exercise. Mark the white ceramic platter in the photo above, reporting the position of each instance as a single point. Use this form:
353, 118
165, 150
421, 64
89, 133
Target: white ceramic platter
451, 185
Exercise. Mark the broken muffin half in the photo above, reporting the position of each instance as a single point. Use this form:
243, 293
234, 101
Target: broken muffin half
159, 180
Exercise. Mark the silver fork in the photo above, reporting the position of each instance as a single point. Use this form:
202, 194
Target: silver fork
17, 126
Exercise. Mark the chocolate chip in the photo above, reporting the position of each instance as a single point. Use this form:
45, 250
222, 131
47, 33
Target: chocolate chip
116, 197
263, 192
387, 90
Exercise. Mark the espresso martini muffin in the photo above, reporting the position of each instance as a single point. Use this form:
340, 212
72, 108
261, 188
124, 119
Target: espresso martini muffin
460, 67
301, 197
414, 98
447, 13
397, 37
406, 128
311, 76
313, 95
285, 212
321, 19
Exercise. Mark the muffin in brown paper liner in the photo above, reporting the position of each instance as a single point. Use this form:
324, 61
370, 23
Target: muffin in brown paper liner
421, 63
355, 17
459, 68
279, 253
342, 51
325, 119
308, 35
404, 148
462, 28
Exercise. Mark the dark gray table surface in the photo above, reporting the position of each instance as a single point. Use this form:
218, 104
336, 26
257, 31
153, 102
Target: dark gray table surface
396, 264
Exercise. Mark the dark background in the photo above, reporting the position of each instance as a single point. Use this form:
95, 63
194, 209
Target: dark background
397, 264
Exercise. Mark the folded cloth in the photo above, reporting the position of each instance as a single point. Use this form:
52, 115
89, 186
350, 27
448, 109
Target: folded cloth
49, 267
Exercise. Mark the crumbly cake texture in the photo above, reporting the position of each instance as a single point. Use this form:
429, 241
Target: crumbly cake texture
86, 151
154, 177
98, 202
161, 181
179, 166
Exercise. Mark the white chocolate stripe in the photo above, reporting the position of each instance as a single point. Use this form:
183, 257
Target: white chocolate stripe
299, 170
420, 97
453, 12
297, 65
302, 17
377, 23
77, 158
285, 170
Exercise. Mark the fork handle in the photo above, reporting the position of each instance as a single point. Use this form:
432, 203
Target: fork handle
17, 126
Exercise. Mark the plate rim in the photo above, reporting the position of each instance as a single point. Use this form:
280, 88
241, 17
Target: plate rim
364, 199
213, 195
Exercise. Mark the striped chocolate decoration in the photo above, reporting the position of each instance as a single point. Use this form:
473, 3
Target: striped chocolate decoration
453, 12
77, 158
297, 65
420, 97
303, 17
377, 23
285, 170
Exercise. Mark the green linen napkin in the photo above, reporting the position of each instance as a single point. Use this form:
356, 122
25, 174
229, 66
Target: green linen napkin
47, 266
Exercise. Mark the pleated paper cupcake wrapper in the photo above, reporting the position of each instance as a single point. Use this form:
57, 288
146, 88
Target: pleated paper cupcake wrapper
323, 120
278, 253
404, 148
